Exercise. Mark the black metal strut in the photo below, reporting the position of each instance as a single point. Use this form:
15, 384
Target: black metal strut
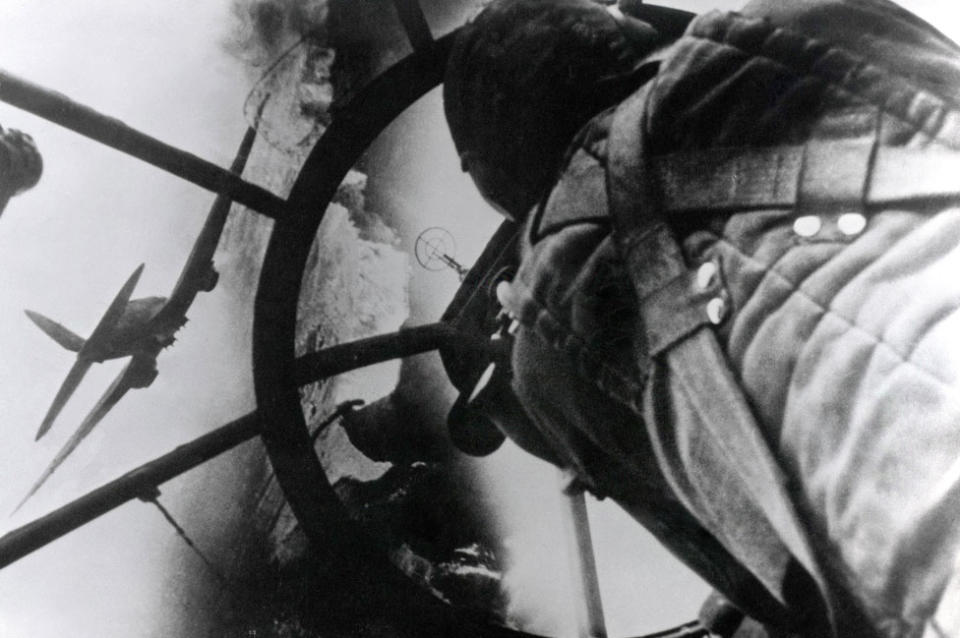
110, 131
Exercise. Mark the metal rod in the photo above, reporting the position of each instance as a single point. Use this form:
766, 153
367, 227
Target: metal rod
364, 352
342, 409
691, 629
60, 109
182, 533
593, 624
414, 23
132, 485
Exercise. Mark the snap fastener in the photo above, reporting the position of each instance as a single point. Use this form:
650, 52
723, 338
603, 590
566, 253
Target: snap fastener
716, 310
807, 226
503, 292
706, 275
851, 223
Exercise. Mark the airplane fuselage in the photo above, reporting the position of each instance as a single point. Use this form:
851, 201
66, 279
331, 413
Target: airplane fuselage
137, 330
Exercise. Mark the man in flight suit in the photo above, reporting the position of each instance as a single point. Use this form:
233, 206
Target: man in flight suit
738, 288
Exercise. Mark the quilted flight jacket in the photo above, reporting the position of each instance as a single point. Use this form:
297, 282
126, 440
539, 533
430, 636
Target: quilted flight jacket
833, 305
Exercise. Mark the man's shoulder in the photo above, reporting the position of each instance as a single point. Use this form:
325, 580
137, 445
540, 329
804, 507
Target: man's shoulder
579, 194
592, 138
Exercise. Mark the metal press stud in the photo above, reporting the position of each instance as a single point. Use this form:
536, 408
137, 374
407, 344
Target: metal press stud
807, 226
503, 292
716, 310
706, 275
851, 223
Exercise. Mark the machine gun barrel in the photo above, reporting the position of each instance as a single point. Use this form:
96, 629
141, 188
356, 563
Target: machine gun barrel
406, 342
60, 109
132, 485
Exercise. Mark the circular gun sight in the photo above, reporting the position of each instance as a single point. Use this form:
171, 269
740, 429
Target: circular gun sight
436, 249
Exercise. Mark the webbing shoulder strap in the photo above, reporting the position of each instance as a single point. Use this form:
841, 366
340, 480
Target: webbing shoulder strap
653, 259
844, 172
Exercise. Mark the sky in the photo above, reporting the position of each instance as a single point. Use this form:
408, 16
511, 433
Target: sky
67, 246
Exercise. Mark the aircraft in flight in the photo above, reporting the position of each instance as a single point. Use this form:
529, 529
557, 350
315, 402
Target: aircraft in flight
137, 328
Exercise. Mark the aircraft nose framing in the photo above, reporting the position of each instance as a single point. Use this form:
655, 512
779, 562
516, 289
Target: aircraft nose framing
139, 329
345, 551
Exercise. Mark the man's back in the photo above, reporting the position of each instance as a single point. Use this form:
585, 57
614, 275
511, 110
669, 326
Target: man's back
834, 310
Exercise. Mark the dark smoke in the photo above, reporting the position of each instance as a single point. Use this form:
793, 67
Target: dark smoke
266, 28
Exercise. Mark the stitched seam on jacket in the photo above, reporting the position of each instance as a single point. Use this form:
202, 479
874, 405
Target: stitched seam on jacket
825, 310
878, 344
574, 347
770, 269
859, 67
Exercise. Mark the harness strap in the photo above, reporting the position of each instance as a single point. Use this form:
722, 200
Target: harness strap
819, 175
654, 259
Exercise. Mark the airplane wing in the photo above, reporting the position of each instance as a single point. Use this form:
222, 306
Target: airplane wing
92, 348
131, 376
76, 374
198, 273
100, 335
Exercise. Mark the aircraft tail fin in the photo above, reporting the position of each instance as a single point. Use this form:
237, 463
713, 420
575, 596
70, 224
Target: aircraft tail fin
57, 332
